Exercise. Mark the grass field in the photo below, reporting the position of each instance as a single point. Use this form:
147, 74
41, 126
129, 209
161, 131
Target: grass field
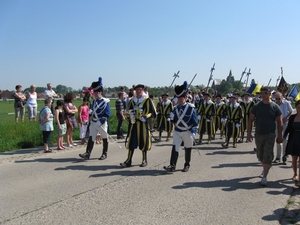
25, 135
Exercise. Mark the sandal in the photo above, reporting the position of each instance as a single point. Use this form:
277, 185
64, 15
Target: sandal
48, 151
295, 178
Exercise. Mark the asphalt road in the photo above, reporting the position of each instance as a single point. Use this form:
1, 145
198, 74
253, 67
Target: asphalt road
222, 187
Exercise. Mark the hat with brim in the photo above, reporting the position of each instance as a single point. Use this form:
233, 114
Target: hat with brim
232, 96
218, 96
206, 93
165, 94
139, 86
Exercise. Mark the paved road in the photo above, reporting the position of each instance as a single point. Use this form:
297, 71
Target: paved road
222, 187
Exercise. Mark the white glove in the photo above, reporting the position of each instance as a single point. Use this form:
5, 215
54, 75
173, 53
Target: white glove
199, 117
132, 116
90, 111
143, 119
237, 125
207, 120
223, 120
171, 116
98, 123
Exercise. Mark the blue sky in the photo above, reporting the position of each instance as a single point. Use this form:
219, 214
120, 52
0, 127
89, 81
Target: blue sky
146, 41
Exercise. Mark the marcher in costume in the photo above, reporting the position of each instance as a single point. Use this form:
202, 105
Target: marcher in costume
185, 123
233, 116
140, 109
246, 105
220, 107
163, 124
99, 114
206, 113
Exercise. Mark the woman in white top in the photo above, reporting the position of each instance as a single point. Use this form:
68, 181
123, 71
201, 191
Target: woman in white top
31, 103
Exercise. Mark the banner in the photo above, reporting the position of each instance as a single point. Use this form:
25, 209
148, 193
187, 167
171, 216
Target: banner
254, 88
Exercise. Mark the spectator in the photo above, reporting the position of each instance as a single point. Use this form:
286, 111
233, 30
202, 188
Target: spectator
70, 110
46, 124
60, 123
31, 103
49, 93
120, 115
83, 119
286, 110
20, 101
265, 113
293, 144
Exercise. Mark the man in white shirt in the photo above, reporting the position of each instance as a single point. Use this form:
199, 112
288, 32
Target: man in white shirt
49, 93
286, 110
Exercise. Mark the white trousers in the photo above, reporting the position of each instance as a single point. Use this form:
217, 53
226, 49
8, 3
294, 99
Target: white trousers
185, 137
95, 128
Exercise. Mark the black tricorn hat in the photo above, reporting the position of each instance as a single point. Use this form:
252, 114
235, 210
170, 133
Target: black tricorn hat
139, 86
246, 94
164, 94
97, 85
218, 96
232, 96
180, 91
206, 93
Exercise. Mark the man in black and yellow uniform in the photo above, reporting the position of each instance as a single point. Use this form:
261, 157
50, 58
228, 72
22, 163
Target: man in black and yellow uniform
233, 116
220, 107
163, 124
206, 112
246, 105
140, 110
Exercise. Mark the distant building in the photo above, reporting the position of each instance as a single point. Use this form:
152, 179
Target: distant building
6, 95
216, 84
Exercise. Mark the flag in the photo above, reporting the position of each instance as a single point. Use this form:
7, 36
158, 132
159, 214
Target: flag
294, 93
254, 88
282, 87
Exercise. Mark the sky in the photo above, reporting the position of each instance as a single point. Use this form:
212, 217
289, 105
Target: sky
128, 42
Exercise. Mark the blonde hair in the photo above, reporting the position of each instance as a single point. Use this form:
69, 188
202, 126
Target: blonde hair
32, 86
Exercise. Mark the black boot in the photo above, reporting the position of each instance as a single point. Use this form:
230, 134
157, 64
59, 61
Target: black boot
144, 161
127, 163
173, 161
105, 148
89, 149
187, 160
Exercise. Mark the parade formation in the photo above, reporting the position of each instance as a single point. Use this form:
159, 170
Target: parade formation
193, 121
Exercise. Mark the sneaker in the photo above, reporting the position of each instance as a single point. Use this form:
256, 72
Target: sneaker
264, 181
169, 168
74, 144
262, 174
70, 146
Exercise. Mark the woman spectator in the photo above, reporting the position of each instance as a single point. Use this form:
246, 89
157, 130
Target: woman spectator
31, 103
60, 123
19, 105
83, 118
293, 144
46, 124
70, 110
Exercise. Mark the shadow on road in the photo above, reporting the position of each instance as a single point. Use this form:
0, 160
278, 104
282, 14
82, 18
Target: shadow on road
51, 160
126, 173
231, 153
240, 183
88, 167
242, 165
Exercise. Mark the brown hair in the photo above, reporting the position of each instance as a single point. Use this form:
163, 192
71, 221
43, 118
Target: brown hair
69, 97
297, 103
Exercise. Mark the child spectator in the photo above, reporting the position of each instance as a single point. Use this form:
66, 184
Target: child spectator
83, 119
60, 124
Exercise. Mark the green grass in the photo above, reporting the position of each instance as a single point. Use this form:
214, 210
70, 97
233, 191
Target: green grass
27, 135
